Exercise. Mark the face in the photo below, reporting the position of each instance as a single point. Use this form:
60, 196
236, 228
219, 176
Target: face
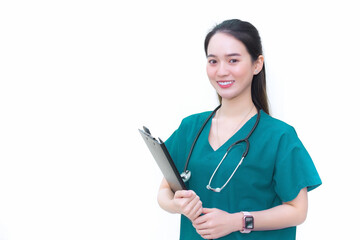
230, 67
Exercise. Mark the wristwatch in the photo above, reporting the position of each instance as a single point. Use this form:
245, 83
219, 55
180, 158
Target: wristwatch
248, 223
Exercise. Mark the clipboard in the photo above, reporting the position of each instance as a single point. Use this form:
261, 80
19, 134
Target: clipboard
163, 160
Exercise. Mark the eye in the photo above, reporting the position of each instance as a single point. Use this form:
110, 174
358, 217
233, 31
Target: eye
234, 60
212, 61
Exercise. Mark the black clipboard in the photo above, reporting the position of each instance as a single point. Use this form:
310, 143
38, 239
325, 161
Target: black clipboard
163, 160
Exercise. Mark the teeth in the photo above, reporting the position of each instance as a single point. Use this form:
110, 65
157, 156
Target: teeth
225, 83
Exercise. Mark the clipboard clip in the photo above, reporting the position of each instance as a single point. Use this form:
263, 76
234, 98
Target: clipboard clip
146, 130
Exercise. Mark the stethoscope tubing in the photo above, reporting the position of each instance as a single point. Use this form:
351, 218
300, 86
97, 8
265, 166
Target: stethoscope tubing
197, 137
187, 174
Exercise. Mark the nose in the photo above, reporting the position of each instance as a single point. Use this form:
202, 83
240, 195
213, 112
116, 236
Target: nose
222, 70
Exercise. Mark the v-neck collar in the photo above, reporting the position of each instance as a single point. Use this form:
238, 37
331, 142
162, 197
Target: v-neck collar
235, 137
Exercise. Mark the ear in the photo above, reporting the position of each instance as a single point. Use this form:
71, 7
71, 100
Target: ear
258, 64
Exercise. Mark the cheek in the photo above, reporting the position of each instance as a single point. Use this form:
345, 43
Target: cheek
243, 72
210, 72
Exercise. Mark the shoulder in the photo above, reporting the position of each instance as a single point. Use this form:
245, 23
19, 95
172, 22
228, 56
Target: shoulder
187, 130
196, 119
275, 126
191, 124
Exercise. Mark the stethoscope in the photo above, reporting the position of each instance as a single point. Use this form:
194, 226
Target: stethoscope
186, 174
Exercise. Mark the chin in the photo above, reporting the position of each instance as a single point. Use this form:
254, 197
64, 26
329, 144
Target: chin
230, 94
227, 96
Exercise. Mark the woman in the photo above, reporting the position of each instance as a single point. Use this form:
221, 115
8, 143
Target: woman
266, 197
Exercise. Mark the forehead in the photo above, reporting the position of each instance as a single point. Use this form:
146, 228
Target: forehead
225, 44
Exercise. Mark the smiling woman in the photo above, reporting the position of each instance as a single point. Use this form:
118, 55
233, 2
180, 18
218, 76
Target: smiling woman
245, 41
230, 65
264, 193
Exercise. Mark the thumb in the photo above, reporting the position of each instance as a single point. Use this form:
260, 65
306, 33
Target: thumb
207, 210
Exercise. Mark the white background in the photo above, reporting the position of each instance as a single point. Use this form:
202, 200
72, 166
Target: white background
78, 78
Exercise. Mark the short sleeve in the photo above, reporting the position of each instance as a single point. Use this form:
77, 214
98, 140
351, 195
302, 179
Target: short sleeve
294, 168
179, 143
175, 145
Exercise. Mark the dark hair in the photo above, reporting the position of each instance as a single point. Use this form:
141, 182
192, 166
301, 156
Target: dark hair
249, 36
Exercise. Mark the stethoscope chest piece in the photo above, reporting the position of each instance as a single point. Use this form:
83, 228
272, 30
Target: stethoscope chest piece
213, 189
185, 175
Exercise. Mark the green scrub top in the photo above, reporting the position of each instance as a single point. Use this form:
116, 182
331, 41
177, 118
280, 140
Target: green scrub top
276, 168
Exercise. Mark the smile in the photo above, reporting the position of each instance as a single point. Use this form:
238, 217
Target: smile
225, 84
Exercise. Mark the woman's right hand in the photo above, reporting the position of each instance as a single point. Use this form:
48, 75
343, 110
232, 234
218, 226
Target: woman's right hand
187, 203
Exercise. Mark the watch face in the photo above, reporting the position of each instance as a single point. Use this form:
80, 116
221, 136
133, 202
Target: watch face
249, 223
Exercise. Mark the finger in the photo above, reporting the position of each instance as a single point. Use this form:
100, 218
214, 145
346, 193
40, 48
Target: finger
208, 236
196, 209
200, 220
191, 207
204, 233
201, 227
207, 210
198, 213
184, 194
182, 202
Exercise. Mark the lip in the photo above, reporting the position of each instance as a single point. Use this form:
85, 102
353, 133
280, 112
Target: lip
225, 83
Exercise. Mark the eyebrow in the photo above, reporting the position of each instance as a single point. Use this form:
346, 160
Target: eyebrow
227, 55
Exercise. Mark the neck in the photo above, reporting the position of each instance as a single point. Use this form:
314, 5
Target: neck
237, 107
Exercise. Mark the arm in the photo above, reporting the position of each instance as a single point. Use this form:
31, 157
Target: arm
288, 214
216, 223
182, 202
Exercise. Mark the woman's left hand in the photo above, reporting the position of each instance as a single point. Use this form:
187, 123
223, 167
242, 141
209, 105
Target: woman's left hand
216, 223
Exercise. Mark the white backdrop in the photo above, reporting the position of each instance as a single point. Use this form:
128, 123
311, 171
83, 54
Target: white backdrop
78, 78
